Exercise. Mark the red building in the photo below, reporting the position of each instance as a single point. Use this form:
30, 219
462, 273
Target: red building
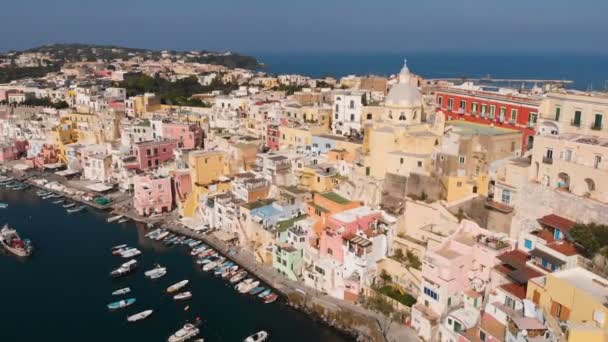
490, 108
151, 154
272, 137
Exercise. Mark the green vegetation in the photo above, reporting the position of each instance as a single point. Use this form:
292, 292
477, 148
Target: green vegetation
403, 298
258, 204
174, 93
409, 259
288, 89
332, 196
12, 73
591, 238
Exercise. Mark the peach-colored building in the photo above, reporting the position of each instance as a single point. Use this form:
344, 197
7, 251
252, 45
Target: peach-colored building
152, 194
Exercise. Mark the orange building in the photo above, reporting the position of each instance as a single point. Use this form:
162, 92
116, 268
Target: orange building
323, 205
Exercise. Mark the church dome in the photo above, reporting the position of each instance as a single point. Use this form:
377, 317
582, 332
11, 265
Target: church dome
404, 93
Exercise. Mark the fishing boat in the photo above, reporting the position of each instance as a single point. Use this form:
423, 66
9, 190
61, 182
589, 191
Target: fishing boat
120, 250
114, 218
12, 242
264, 294
3, 205
124, 219
55, 196
257, 337
58, 201
198, 250
247, 285
40, 193
69, 205
194, 244
130, 253
162, 235
177, 286
139, 316
5, 180
152, 233
119, 247
121, 292
270, 298
220, 269
156, 272
121, 304
229, 271
184, 334
77, 209
238, 277
257, 290
183, 295
20, 187
124, 269
210, 266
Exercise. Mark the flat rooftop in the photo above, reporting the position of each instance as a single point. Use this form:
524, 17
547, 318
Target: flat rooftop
586, 281
470, 128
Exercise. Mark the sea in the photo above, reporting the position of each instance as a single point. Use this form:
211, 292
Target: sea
589, 72
61, 292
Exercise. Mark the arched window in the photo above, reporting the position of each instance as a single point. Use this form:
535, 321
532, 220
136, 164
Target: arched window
590, 184
402, 117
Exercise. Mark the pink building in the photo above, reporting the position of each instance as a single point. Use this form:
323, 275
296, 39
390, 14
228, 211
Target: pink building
8, 153
151, 154
188, 136
152, 195
273, 137
343, 225
462, 263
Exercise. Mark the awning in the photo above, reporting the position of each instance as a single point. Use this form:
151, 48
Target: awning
53, 166
99, 187
65, 173
21, 167
546, 256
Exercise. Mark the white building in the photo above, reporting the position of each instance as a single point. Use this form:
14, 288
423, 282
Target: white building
347, 109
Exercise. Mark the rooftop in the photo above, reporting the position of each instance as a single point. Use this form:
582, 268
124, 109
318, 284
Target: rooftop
585, 281
469, 129
354, 214
332, 196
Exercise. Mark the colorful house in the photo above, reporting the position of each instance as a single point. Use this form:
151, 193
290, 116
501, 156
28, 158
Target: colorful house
152, 194
152, 154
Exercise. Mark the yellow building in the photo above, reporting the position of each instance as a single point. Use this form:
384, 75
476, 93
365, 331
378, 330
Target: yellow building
208, 174
317, 115
577, 297
319, 179
294, 137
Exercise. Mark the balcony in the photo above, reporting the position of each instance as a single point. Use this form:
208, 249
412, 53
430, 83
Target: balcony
547, 160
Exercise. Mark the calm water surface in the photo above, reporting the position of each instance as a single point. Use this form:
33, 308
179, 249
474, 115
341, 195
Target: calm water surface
61, 293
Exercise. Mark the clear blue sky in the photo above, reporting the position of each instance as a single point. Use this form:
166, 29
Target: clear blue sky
263, 26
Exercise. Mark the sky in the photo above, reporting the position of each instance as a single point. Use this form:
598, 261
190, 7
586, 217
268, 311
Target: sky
276, 26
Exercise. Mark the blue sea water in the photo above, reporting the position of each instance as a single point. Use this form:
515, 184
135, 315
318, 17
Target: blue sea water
587, 72
61, 292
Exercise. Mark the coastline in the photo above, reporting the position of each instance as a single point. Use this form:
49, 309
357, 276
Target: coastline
348, 319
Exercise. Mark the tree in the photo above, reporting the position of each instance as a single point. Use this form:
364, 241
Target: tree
591, 238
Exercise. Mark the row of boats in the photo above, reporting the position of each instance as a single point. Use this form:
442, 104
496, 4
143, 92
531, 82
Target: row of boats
70, 207
12, 184
210, 260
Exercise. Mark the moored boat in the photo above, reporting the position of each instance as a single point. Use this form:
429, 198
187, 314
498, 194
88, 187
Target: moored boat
77, 209
69, 205
140, 316
184, 334
121, 292
259, 336
238, 277
114, 218
130, 253
270, 298
246, 285
124, 269
257, 290
121, 304
183, 295
124, 220
264, 294
58, 201
3, 205
156, 272
12, 242
177, 286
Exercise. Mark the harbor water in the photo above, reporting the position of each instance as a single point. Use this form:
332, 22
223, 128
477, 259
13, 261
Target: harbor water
61, 292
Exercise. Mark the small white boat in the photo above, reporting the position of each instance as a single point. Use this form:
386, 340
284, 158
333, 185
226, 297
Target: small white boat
124, 219
162, 235
121, 292
129, 253
183, 295
119, 247
156, 272
257, 337
139, 316
69, 205
184, 334
114, 218
177, 286
247, 285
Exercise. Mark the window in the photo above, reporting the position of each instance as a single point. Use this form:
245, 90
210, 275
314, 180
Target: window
506, 196
431, 293
450, 104
558, 111
327, 146
352, 117
492, 111
419, 163
461, 159
337, 110
463, 104
402, 117
577, 118
401, 160
336, 116
509, 302
439, 100
514, 115
474, 107
596, 161
568, 155
549, 154
503, 113
484, 109
369, 116
459, 184
528, 244
482, 335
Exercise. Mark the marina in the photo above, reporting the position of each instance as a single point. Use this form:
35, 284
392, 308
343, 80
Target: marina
50, 227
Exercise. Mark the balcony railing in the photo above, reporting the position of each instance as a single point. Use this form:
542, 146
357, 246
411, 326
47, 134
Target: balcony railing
547, 160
